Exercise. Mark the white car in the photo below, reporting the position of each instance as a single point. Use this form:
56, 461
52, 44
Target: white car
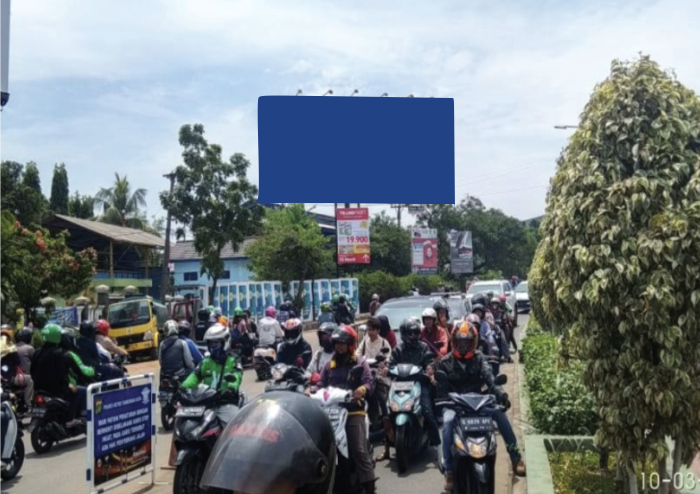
522, 297
498, 287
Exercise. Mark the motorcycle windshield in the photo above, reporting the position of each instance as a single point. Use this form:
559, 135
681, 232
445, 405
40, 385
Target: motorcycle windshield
265, 450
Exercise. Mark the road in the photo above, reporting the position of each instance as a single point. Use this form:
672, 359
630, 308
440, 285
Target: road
62, 470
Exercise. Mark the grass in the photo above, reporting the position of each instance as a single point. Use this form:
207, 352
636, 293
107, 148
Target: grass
579, 473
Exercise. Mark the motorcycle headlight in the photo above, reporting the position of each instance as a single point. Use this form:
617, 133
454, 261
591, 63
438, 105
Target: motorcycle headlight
209, 415
277, 375
394, 406
476, 449
408, 406
459, 444
148, 335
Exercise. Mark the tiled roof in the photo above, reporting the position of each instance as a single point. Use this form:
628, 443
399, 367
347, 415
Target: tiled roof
185, 251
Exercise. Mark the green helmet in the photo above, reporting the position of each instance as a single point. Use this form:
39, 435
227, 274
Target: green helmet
237, 311
51, 334
325, 307
210, 308
336, 298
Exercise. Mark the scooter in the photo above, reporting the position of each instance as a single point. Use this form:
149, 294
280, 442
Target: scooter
48, 422
410, 432
474, 443
201, 416
334, 402
13, 449
263, 359
167, 397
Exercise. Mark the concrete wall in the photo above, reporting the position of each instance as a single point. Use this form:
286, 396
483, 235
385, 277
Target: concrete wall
238, 269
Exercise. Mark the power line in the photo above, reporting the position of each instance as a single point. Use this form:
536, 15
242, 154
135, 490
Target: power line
524, 166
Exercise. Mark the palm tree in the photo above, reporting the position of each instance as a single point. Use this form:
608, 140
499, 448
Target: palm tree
120, 206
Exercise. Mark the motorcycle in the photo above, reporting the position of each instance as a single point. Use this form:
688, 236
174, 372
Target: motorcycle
48, 422
474, 443
406, 415
334, 401
287, 378
201, 416
13, 449
263, 358
167, 397
19, 406
381, 388
243, 348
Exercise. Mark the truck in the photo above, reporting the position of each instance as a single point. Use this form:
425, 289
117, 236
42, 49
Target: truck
136, 323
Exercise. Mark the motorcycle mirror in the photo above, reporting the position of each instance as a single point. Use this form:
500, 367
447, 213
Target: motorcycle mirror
501, 379
380, 358
229, 378
386, 350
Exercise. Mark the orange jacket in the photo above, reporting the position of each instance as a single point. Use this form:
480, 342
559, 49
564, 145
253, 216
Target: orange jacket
437, 334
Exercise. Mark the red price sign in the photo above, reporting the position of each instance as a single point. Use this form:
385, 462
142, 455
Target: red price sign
359, 239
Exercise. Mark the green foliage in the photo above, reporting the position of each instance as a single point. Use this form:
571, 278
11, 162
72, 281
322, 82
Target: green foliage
559, 402
59, 190
579, 473
388, 286
391, 246
622, 258
81, 206
213, 198
21, 192
120, 206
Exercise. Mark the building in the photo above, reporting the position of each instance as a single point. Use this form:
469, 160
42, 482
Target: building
125, 256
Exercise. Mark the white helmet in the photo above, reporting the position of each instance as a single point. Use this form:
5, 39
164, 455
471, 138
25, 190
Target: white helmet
218, 312
375, 297
429, 312
170, 328
216, 332
474, 319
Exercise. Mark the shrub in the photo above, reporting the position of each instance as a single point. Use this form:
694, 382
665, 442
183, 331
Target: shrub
389, 286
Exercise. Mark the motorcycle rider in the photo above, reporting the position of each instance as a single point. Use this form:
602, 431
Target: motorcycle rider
386, 332
92, 354
25, 352
500, 329
184, 331
324, 354
412, 350
326, 314
203, 324
338, 372
102, 338
372, 344
346, 312
335, 304
269, 329
433, 335
374, 305
486, 338
294, 350
220, 363
174, 354
283, 315
466, 370
505, 311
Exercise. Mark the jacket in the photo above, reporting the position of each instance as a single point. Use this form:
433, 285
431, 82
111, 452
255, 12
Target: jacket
340, 376
419, 355
475, 375
430, 338
194, 351
88, 352
25, 353
287, 353
326, 317
49, 370
79, 374
175, 358
212, 374
108, 344
269, 330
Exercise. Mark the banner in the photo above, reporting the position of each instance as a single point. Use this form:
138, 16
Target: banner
352, 230
461, 253
65, 317
242, 295
259, 300
223, 300
355, 284
425, 253
121, 433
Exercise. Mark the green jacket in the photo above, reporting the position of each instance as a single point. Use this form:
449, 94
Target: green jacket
209, 372
76, 369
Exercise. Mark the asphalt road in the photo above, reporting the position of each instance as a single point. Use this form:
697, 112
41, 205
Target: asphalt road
62, 470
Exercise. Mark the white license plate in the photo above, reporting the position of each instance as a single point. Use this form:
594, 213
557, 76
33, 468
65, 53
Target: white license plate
333, 413
38, 412
165, 395
477, 424
402, 386
190, 412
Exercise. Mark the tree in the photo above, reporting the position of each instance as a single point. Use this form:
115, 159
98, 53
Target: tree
120, 206
292, 248
59, 190
213, 198
35, 264
21, 192
391, 246
180, 233
81, 206
622, 232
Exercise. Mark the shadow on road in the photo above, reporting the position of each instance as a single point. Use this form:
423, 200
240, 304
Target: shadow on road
58, 449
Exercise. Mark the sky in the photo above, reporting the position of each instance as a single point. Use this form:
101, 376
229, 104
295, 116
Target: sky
104, 86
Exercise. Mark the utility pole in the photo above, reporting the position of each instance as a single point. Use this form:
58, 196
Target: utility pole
398, 208
165, 280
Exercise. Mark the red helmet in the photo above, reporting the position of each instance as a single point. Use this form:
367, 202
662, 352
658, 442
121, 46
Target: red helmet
502, 298
102, 327
465, 339
345, 334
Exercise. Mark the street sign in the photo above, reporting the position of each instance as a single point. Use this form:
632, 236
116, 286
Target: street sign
121, 432
416, 208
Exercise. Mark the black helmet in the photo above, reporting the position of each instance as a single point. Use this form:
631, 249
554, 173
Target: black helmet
87, 329
203, 315
439, 305
327, 328
410, 331
479, 299
301, 434
184, 328
68, 340
480, 307
25, 335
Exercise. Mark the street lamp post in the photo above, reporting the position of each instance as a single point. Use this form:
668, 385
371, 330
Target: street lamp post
330, 91
564, 127
165, 279
299, 91
356, 91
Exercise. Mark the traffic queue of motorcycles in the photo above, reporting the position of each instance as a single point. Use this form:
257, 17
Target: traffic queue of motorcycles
294, 437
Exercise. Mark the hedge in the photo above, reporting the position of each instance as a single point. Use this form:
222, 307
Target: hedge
389, 286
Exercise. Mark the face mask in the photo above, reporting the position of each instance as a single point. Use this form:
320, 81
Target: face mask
327, 346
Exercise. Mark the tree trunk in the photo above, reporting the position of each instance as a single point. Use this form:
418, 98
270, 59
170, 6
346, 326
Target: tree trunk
677, 459
212, 290
299, 299
663, 474
632, 479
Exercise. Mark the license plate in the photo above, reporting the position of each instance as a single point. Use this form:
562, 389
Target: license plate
402, 386
190, 412
333, 413
38, 412
477, 424
165, 395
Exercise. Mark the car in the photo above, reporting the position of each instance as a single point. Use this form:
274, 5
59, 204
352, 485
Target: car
499, 287
401, 308
522, 298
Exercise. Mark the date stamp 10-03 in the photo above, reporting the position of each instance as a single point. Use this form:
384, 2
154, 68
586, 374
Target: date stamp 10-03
680, 481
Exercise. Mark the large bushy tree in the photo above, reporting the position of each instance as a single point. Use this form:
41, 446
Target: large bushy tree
81, 206
622, 233
391, 246
59, 190
21, 192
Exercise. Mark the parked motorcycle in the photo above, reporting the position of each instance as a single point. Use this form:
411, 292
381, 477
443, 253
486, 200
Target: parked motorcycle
287, 378
334, 401
410, 433
201, 416
48, 422
474, 443
13, 449
167, 397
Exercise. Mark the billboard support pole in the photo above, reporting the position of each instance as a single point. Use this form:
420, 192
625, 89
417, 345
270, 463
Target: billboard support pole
337, 260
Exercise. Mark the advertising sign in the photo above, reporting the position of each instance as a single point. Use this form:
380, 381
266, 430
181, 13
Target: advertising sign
65, 317
461, 253
355, 284
223, 300
259, 299
121, 433
352, 227
424, 250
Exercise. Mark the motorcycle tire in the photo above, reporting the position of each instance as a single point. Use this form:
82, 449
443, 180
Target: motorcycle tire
15, 464
167, 418
188, 475
403, 448
41, 442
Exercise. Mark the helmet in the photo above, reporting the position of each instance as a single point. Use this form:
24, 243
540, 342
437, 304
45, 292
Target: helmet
474, 319
293, 329
410, 331
304, 442
216, 332
336, 298
103, 327
218, 312
342, 298
51, 334
25, 335
477, 307
68, 340
479, 299
203, 315
170, 328
325, 307
271, 312
345, 334
502, 298
184, 328
465, 339
375, 296
210, 308
87, 329
490, 294
327, 329
429, 313
238, 312
495, 301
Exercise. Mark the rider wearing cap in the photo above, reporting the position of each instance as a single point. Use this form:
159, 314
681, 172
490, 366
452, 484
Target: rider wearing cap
466, 370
